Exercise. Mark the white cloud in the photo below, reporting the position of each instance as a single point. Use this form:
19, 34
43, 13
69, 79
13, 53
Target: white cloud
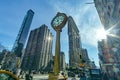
86, 18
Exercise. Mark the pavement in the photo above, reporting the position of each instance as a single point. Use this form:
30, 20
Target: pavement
45, 77
39, 77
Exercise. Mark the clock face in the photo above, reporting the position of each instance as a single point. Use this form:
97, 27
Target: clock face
58, 20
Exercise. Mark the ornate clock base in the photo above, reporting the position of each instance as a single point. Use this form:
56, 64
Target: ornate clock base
52, 76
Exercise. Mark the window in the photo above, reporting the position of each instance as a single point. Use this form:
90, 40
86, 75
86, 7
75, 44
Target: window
108, 14
109, 8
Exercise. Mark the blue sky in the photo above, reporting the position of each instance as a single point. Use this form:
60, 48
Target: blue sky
85, 16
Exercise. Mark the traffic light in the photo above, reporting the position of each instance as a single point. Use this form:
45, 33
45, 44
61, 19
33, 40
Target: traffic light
82, 65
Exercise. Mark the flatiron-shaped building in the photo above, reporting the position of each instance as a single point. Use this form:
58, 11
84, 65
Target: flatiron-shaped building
75, 45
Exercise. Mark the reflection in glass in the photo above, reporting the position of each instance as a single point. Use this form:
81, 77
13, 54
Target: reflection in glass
4, 76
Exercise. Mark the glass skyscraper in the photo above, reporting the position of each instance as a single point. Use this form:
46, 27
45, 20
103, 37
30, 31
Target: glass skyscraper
22, 35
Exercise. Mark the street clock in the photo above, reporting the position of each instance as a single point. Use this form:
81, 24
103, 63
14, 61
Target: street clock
59, 21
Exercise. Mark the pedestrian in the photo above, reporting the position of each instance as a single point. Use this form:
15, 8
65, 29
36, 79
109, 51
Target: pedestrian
83, 77
28, 76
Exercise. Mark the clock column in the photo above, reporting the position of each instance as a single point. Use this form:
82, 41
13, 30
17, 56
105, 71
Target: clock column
58, 28
57, 53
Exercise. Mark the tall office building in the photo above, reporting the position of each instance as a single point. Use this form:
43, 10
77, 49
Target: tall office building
109, 13
109, 49
22, 35
85, 58
38, 53
85, 55
74, 43
62, 61
109, 63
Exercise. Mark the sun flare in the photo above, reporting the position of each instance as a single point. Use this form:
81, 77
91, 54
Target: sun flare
101, 34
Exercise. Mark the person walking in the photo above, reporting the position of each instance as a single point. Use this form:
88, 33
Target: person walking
28, 76
83, 77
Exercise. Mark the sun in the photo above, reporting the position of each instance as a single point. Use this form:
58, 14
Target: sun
101, 34
49, 38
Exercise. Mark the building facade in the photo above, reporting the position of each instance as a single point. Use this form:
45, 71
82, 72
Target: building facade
74, 43
85, 55
109, 53
22, 35
38, 53
85, 59
9, 61
62, 61
108, 59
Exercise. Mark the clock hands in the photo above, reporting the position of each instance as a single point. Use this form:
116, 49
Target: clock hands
58, 20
